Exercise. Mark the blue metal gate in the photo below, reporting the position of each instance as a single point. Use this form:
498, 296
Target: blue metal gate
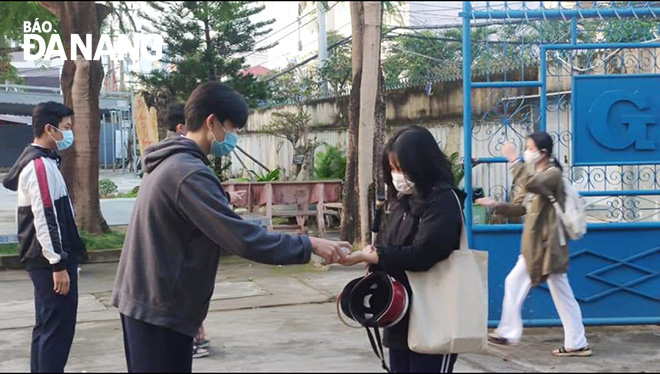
588, 73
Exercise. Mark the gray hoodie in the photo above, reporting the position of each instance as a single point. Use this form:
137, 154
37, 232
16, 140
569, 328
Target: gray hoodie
180, 222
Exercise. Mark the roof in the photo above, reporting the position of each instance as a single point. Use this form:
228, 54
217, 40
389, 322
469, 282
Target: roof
18, 120
21, 103
257, 71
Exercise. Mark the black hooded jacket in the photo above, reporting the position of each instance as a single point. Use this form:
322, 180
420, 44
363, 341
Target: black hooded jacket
419, 233
47, 232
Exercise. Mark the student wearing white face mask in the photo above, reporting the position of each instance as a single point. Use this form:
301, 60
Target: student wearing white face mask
543, 255
423, 228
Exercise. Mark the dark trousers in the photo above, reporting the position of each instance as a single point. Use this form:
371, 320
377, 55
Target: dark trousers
404, 361
55, 322
155, 349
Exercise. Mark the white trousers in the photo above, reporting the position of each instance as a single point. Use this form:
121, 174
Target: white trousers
516, 287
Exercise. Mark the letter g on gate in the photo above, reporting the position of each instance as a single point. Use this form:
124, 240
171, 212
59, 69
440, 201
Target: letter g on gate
602, 118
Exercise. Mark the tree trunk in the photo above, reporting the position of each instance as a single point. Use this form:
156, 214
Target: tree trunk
85, 99
379, 138
350, 213
368, 96
379, 134
209, 48
304, 151
81, 85
122, 85
161, 100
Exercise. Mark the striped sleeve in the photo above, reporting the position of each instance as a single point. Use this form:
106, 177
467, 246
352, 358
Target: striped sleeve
45, 215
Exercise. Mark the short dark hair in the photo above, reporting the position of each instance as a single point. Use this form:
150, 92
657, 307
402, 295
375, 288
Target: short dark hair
49, 113
420, 159
215, 98
175, 116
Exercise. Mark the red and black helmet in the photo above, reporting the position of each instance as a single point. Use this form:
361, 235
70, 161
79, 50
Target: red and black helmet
376, 300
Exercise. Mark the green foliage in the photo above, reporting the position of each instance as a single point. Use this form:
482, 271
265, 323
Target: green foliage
14, 13
457, 168
418, 55
8, 249
330, 164
7, 71
221, 167
131, 195
495, 48
12, 16
338, 69
629, 31
107, 188
273, 175
202, 44
296, 86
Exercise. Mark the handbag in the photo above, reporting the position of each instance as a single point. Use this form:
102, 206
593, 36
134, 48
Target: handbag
449, 308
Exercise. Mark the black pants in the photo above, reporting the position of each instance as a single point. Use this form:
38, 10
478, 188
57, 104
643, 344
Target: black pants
155, 349
403, 361
55, 322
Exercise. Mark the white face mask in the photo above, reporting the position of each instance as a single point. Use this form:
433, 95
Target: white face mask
402, 184
531, 157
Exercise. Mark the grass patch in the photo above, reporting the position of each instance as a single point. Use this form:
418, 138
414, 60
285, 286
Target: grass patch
8, 249
133, 194
112, 240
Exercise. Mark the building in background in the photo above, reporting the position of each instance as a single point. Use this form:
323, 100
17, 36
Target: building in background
296, 26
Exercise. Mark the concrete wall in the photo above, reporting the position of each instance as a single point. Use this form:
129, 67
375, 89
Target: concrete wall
441, 111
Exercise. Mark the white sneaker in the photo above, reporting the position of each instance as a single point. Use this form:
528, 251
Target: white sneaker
199, 352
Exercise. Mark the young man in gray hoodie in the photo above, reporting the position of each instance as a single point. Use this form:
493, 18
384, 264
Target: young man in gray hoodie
180, 223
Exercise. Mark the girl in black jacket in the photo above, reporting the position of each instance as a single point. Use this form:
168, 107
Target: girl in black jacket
423, 228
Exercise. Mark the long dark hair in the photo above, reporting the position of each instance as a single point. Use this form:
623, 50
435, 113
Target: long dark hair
420, 159
544, 142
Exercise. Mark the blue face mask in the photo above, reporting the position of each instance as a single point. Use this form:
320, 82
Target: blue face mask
67, 140
225, 147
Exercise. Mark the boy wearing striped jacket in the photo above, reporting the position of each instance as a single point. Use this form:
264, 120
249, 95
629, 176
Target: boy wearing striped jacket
49, 244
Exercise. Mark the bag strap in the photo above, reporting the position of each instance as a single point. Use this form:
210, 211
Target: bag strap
561, 219
339, 314
464, 242
377, 346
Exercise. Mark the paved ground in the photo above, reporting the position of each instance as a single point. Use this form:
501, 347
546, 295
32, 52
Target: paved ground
265, 319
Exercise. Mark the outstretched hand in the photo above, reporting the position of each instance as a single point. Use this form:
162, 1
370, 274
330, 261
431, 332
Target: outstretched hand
236, 196
331, 251
368, 255
487, 202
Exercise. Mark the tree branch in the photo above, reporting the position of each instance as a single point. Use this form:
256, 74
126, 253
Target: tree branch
55, 7
10, 50
102, 11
